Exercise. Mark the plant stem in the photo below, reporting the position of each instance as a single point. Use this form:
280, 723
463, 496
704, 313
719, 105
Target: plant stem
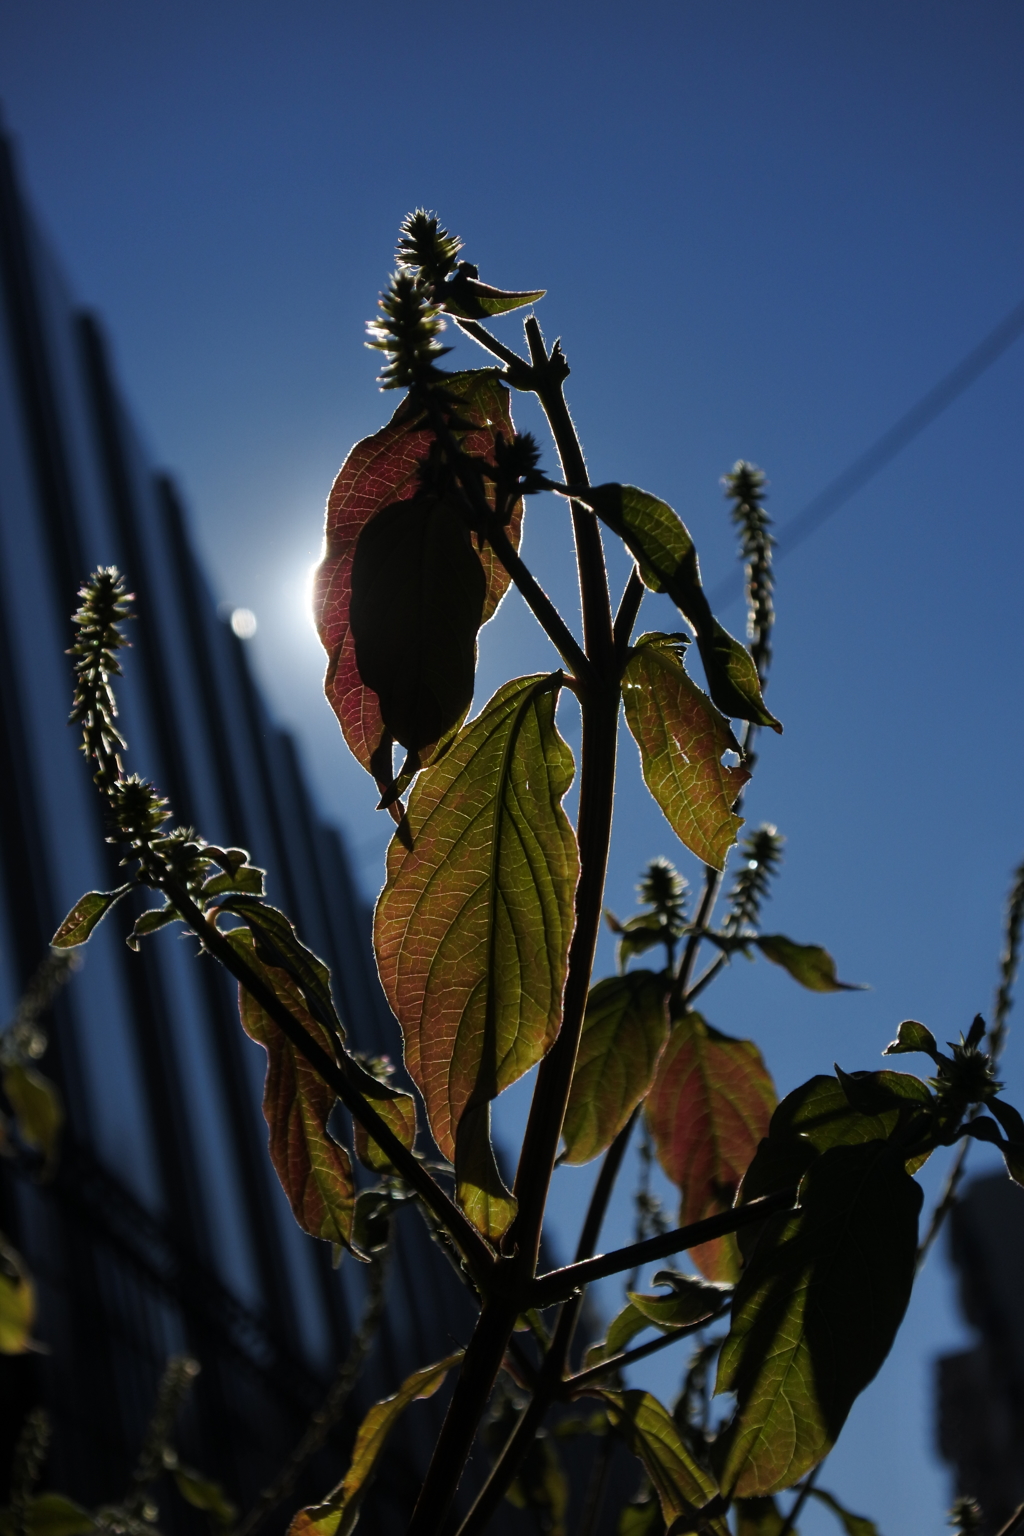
707, 978
944, 1204
482, 335
712, 881
625, 617
557, 1284
478, 1254
799, 1502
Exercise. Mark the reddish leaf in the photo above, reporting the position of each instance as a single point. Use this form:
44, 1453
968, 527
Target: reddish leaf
682, 738
708, 1108
315, 1172
380, 470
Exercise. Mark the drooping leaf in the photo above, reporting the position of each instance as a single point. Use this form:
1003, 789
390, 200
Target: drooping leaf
315, 1172
17, 1302
339, 1512
624, 1029
912, 1037
84, 916
37, 1108
853, 1525
380, 470
682, 738
683, 1486
418, 592
809, 964
815, 1314
667, 559
690, 1299
760, 1517
472, 928
481, 1189
278, 945
202, 1493
708, 1108
50, 1514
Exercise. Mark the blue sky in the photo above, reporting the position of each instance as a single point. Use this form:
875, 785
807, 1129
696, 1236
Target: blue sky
765, 231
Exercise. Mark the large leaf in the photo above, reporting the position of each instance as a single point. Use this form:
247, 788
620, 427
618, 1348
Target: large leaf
418, 592
37, 1107
682, 738
89, 910
17, 1302
809, 964
683, 1486
472, 928
815, 1314
339, 1512
380, 470
708, 1108
667, 559
624, 1029
315, 1172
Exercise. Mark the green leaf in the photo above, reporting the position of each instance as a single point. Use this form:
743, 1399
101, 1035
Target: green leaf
380, 470
339, 1512
642, 1518
815, 1314
691, 1299
37, 1108
151, 922
760, 1517
315, 1172
683, 1486
708, 1108
682, 739
853, 1525
809, 964
247, 879
622, 1329
17, 1302
418, 593
202, 1493
472, 928
278, 945
470, 299
84, 916
624, 1029
667, 559
873, 1093
50, 1514
912, 1037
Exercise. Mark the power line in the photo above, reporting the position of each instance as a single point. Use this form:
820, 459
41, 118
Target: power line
846, 485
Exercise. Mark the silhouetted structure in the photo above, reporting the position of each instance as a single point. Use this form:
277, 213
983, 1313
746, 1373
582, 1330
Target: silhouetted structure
164, 1228
981, 1390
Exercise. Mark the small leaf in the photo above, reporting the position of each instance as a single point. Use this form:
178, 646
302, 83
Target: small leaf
682, 739
815, 1314
872, 1093
204, 1494
17, 1302
810, 965
339, 1512
912, 1037
708, 1108
37, 1108
853, 1525
683, 1486
760, 1517
246, 878
418, 592
50, 1514
380, 470
151, 922
624, 1029
84, 916
690, 1300
470, 299
621, 1330
667, 559
315, 1172
472, 928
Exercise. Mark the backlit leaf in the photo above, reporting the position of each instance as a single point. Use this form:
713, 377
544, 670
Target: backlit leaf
689, 1300
708, 1108
417, 600
37, 1108
667, 559
624, 1327
278, 944
810, 965
853, 1525
315, 1172
50, 1514
202, 1493
84, 916
683, 1486
624, 1029
815, 1314
339, 1512
472, 928
912, 1037
17, 1302
682, 738
380, 470
470, 299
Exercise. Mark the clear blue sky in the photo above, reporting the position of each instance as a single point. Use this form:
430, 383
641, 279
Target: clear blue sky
765, 231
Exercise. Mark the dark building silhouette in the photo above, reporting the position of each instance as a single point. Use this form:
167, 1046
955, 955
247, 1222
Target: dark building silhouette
164, 1229
981, 1390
